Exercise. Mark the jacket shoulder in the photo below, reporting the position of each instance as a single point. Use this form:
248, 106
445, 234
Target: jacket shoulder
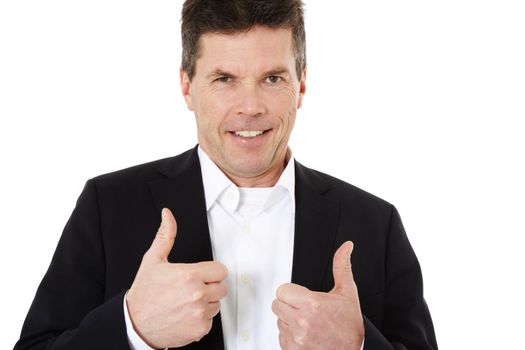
342, 191
146, 172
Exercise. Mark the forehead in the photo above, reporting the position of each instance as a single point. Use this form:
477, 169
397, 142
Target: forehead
257, 47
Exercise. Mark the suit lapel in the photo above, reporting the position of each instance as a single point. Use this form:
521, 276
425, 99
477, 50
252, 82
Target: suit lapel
182, 192
315, 229
315, 226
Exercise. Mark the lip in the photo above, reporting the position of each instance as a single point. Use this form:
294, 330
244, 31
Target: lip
254, 141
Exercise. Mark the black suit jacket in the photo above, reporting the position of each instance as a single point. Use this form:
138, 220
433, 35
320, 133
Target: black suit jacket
79, 303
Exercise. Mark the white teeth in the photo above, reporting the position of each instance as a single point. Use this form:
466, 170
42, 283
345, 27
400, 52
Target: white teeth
246, 133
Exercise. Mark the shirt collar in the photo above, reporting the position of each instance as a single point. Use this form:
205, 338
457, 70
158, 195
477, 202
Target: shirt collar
286, 181
213, 179
217, 184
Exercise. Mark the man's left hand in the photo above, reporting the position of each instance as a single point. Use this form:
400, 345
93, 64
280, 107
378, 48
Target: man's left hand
316, 320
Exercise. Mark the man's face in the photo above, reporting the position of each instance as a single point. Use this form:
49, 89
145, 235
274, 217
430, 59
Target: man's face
245, 94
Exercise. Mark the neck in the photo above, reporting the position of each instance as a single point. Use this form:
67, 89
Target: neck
268, 178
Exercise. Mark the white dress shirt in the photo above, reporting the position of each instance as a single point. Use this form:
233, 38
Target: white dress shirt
252, 233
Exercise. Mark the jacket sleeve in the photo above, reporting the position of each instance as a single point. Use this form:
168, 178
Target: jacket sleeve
71, 309
406, 321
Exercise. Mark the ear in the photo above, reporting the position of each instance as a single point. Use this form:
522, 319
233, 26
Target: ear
302, 88
185, 86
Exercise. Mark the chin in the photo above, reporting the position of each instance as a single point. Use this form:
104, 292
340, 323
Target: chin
249, 167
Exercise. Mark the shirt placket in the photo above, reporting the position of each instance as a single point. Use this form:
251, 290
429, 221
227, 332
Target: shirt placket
245, 291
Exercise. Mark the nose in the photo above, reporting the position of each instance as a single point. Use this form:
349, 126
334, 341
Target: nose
251, 102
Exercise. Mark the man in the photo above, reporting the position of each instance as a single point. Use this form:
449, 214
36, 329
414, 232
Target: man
253, 249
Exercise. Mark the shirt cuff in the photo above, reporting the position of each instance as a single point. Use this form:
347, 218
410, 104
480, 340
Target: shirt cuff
135, 342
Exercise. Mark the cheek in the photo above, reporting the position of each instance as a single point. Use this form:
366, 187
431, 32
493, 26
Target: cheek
291, 93
210, 111
285, 105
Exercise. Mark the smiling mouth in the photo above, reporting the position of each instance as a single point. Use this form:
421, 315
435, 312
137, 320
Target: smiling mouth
249, 133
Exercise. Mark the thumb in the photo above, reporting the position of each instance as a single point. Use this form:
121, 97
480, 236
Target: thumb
163, 242
342, 269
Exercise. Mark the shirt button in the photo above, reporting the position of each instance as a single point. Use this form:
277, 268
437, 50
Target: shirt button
245, 278
246, 229
245, 335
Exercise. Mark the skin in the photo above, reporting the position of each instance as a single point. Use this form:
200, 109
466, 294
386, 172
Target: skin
309, 320
172, 305
243, 82
246, 81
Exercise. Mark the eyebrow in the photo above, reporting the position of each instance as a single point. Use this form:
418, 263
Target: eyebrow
222, 72
219, 72
277, 71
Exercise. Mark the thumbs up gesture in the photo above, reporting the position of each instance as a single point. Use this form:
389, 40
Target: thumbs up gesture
171, 305
315, 320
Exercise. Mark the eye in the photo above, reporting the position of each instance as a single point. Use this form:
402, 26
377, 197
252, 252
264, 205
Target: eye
273, 79
223, 79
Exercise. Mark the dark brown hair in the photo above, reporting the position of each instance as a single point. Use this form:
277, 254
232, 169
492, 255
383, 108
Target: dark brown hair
229, 16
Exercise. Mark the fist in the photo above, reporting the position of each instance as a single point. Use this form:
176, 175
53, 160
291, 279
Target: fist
172, 305
315, 320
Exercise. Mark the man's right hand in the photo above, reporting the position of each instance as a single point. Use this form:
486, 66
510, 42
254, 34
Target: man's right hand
171, 305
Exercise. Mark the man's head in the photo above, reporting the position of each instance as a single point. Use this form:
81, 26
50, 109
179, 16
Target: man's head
230, 16
244, 77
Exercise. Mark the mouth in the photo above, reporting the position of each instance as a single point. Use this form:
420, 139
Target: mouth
249, 133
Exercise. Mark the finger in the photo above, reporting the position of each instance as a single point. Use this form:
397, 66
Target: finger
216, 291
165, 237
211, 271
295, 295
213, 309
284, 328
342, 269
283, 342
283, 311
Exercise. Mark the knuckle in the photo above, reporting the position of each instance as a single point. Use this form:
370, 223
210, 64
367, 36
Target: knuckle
304, 323
198, 295
199, 312
163, 235
299, 339
190, 275
313, 304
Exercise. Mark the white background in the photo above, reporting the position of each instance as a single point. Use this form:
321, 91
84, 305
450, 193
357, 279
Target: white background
418, 102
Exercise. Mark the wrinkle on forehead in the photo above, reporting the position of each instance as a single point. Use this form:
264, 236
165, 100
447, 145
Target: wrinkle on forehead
240, 52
